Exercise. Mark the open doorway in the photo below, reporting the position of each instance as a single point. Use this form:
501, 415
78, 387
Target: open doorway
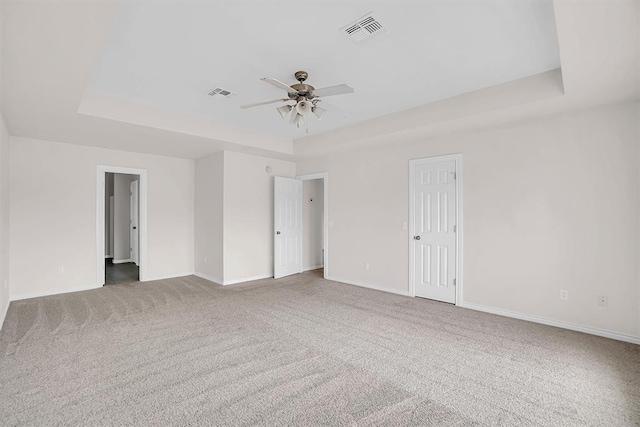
121, 225
312, 224
315, 208
121, 228
301, 241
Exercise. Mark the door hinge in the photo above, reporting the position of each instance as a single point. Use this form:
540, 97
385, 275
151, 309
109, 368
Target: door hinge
455, 228
454, 175
454, 282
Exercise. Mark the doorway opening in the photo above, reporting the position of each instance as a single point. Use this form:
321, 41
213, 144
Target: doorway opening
121, 225
301, 240
121, 228
312, 224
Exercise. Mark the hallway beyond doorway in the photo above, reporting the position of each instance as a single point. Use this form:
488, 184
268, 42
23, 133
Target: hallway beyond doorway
116, 274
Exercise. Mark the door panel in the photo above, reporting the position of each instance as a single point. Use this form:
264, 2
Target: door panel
434, 244
287, 226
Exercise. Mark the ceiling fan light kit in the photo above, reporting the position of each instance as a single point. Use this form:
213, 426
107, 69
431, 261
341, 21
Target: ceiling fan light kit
284, 110
305, 96
303, 107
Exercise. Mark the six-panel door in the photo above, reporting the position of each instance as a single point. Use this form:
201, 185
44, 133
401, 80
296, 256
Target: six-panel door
434, 239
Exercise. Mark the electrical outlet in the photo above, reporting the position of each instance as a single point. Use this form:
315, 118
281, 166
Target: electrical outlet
603, 300
366, 265
564, 294
60, 269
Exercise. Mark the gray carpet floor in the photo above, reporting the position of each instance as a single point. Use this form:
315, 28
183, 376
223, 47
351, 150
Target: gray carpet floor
299, 351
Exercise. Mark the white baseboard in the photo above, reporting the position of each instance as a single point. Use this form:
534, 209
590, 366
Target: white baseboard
169, 276
121, 261
313, 267
215, 280
557, 323
247, 279
108, 256
219, 281
369, 285
53, 292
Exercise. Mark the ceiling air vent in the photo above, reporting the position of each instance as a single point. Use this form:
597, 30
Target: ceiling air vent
220, 93
365, 28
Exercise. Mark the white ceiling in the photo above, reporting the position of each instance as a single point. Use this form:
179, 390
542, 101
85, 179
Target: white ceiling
51, 50
170, 54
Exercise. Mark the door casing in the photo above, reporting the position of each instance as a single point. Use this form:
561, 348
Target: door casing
134, 233
457, 158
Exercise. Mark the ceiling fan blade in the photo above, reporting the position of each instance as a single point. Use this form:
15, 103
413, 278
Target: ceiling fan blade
265, 103
333, 90
280, 85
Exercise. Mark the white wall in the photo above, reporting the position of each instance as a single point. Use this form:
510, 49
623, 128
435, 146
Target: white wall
4, 202
4, 220
60, 179
549, 204
312, 223
122, 216
209, 184
234, 216
248, 214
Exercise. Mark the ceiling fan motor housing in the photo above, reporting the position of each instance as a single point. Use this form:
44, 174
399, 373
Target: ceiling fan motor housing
304, 90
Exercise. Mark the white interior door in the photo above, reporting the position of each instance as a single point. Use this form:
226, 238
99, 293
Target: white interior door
287, 227
434, 230
134, 223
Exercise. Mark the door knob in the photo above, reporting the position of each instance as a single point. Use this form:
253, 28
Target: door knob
416, 237
277, 232
135, 228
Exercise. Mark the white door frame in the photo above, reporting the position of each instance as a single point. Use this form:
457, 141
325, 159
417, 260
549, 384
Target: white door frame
134, 209
325, 216
100, 218
457, 158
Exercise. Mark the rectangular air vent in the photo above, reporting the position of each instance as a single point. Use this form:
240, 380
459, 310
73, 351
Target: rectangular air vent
365, 28
221, 93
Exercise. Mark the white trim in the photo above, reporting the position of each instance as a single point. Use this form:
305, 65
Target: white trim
121, 261
215, 280
311, 267
169, 276
5, 310
100, 218
457, 158
557, 323
369, 286
247, 279
55, 292
325, 217
108, 256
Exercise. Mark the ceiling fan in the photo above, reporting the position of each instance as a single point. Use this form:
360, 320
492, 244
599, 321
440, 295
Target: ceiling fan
305, 96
